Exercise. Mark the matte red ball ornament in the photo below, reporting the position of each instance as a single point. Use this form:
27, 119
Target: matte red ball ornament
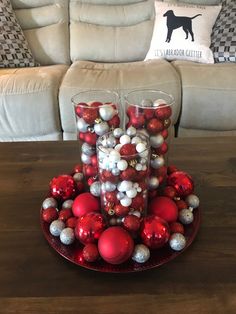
164, 207
65, 214
155, 232
50, 214
63, 187
71, 222
90, 171
163, 112
115, 245
129, 174
182, 182
89, 228
114, 122
85, 203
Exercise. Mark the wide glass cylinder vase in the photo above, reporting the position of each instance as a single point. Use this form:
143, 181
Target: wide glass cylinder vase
149, 111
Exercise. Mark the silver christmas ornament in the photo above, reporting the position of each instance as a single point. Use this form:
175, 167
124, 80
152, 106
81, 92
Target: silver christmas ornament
146, 103
67, 204
131, 131
136, 140
56, 227
126, 201
192, 201
115, 172
109, 187
156, 140
85, 159
106, 112
49, 202
177, 241
78, 176
118, 132
186, 216
153, 183
101, 128
125, 139
120, 195
67, 236
157, 162
95, 189
141, 253
88, 149
82, 126
135, 213
111, 141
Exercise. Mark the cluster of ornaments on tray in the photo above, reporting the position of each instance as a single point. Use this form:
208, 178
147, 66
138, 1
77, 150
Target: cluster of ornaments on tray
94, 119
74, 215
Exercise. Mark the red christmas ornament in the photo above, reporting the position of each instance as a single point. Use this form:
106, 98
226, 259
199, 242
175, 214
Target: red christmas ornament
90, 138
80, 186
94, 161
71, 222
181, 204
154, 126
165, 133
163, 112
182, 182
138, 121
132, 111
164, 208
142, 174
106, 175
128, 150
63, 187
90, 115
152, 194
176, 227
90, 252
50, 214
65, 214
80, 108
115, 245
149, 113
162, 150
82, 136
155, 232
171, 169
114, 122
85, 203
96, 104
89, 227
90, 171
91, 180
78, 168
121, 211
138, 202
131, 223
129, 174
111, 197
169, 191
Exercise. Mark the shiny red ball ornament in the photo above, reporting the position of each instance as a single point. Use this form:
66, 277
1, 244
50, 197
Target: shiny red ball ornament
138, 121
96, 104
90, 115
111, 197
169, 191
155, 232
171, 169
163, 112
90, 138
114, 122
164, 207
128, 150
80, 108
90, 252
80, 186
120, 210
71, 222
154, 126
165, 133
132, 111
149, 113
85, 203
182, 182
65, 214
181, 204
131, 223
176, 227
129, 174
81, 136
91, 180
78, 168
50, 214
94, 161
162, 150
90, 171
90, 227
115, 245
63, 187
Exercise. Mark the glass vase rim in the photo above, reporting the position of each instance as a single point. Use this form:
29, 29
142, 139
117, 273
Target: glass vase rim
87, 91
170, 104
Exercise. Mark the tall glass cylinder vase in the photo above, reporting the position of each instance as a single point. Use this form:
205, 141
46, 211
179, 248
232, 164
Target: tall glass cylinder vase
97, 112
149, 111
123, 160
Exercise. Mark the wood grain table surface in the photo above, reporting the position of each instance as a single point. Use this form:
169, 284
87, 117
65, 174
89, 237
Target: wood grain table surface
35, 279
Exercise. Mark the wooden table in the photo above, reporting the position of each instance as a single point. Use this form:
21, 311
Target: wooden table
35, 279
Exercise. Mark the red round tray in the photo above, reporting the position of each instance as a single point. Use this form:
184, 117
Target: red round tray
73, 252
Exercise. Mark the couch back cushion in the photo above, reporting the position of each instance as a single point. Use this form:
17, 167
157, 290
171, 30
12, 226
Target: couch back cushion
110, 30
203, 2
45, 25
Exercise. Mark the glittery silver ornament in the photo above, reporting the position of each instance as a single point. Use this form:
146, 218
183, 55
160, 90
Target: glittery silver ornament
67, 236
156, 140
101, 128
49, 202
157, 162
118, 132
56, 227
153, 183
106, 112
146, 103
111, 141
95, 188
82, 126
131, 131
186, 216
177, 241
67, 204
78, 176
88, 149
109, 186
85, 159
141, 253
115, 172
192, 201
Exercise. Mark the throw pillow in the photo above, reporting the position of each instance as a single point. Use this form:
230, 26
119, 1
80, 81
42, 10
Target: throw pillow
224, 33
14, 50
183, 32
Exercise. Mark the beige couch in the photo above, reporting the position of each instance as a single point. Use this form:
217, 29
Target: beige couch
101, 45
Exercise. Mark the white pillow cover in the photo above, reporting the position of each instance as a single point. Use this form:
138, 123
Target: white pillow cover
183, 32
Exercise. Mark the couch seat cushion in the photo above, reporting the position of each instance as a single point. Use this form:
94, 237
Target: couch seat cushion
29, 103
120, 77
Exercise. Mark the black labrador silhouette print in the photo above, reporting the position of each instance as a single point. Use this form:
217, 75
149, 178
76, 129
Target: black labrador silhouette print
173, 22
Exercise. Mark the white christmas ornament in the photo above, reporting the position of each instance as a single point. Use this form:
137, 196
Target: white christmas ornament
126, 201
122, 165
141, 147
106, 112
82, 126
131, 193
125, 139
